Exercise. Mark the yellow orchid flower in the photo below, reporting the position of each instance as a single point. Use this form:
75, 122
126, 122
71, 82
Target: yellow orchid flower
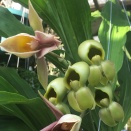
24, 45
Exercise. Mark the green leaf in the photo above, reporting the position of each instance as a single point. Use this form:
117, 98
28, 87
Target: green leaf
33, 112
128, 43
9, 25
13, 110
120, 27
11, 75
6, 86
38, 113
71, 19
124, 78
95, 15
12, 124
7, 98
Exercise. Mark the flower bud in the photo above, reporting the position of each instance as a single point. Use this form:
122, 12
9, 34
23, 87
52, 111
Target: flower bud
103, 95
95, 75
77, 75
56, 91
103, 80
89, 51
108, 69
81, 99
112, 115
116, 111
105, 116
63, 108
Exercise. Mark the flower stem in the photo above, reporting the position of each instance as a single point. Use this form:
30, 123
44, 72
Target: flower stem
92, 127
87, 117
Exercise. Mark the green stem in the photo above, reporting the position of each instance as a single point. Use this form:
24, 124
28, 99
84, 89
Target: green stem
88, 120
91, 123
82, 114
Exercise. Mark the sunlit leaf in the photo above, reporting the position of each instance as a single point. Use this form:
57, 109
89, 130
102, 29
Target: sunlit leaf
120, 26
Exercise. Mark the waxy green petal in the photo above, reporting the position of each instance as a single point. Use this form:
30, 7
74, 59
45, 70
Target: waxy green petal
56, 89
77, 72
89, 49
102, 93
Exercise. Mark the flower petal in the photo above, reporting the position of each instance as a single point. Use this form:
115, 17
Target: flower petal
34, 19
49, 127
22, 45
47, 42
58, 114
68, 122
42, 72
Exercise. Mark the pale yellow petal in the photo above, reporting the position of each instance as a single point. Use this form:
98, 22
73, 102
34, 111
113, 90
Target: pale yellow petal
34, 19
22, 45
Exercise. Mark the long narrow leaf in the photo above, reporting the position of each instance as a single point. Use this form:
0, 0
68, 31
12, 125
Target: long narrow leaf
119, 27
125, 89
18, 83
10, 26
12, 124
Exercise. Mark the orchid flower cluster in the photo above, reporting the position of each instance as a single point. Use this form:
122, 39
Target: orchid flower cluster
86, 84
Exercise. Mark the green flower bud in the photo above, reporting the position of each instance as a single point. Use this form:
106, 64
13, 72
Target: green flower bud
103, 80
112, 115
77, 75
108, 69
116, 111
89, 51
81, 99
56, 91
73, 102
63, 108
103, 95
106, 117
95, 75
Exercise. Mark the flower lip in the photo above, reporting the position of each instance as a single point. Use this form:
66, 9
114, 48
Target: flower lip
94, 51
